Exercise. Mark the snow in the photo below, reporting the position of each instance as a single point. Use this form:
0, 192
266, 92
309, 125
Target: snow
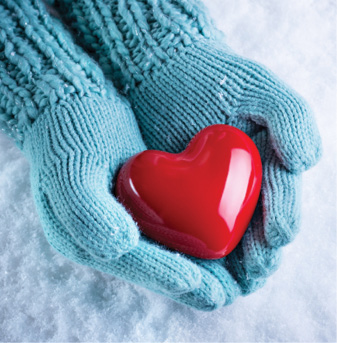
44, 297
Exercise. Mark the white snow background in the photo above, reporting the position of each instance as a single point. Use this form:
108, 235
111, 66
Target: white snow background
44, 297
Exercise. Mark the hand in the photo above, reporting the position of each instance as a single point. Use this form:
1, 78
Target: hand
276, 119
75, 152
179, 78
76, 132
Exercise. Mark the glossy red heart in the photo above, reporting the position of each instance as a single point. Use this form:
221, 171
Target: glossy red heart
199, 201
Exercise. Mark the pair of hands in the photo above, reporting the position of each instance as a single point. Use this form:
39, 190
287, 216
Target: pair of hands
82, 137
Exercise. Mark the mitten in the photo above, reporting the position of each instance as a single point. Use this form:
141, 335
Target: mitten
178, 73
76, 132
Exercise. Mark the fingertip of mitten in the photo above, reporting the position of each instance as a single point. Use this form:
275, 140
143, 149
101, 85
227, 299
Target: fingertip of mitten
305, 157
246, 283
189, 280
263, 264
279, 232
232, 292
259, 258
296, 137
249, 286
121, 236
230, 286
206, 298
209, 296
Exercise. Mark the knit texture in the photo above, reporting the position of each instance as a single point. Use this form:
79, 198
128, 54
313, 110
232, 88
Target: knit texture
39, 65
179, 76
68, 147
141, 35
76, 132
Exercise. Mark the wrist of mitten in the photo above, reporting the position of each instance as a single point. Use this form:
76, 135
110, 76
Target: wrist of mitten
96, 128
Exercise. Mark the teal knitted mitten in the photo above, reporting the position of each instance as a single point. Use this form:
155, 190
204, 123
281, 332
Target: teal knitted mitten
76, 132
179, 76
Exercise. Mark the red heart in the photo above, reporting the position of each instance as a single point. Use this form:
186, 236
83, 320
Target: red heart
199, 201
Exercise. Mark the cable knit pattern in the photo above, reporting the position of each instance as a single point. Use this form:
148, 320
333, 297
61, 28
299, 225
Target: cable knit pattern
45, 106
38, 66
198, 73
167, 57
141, 36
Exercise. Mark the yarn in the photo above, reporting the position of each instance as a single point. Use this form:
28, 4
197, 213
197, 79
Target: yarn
141, 35
180, 76
189, 72
76, 136
39, 66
